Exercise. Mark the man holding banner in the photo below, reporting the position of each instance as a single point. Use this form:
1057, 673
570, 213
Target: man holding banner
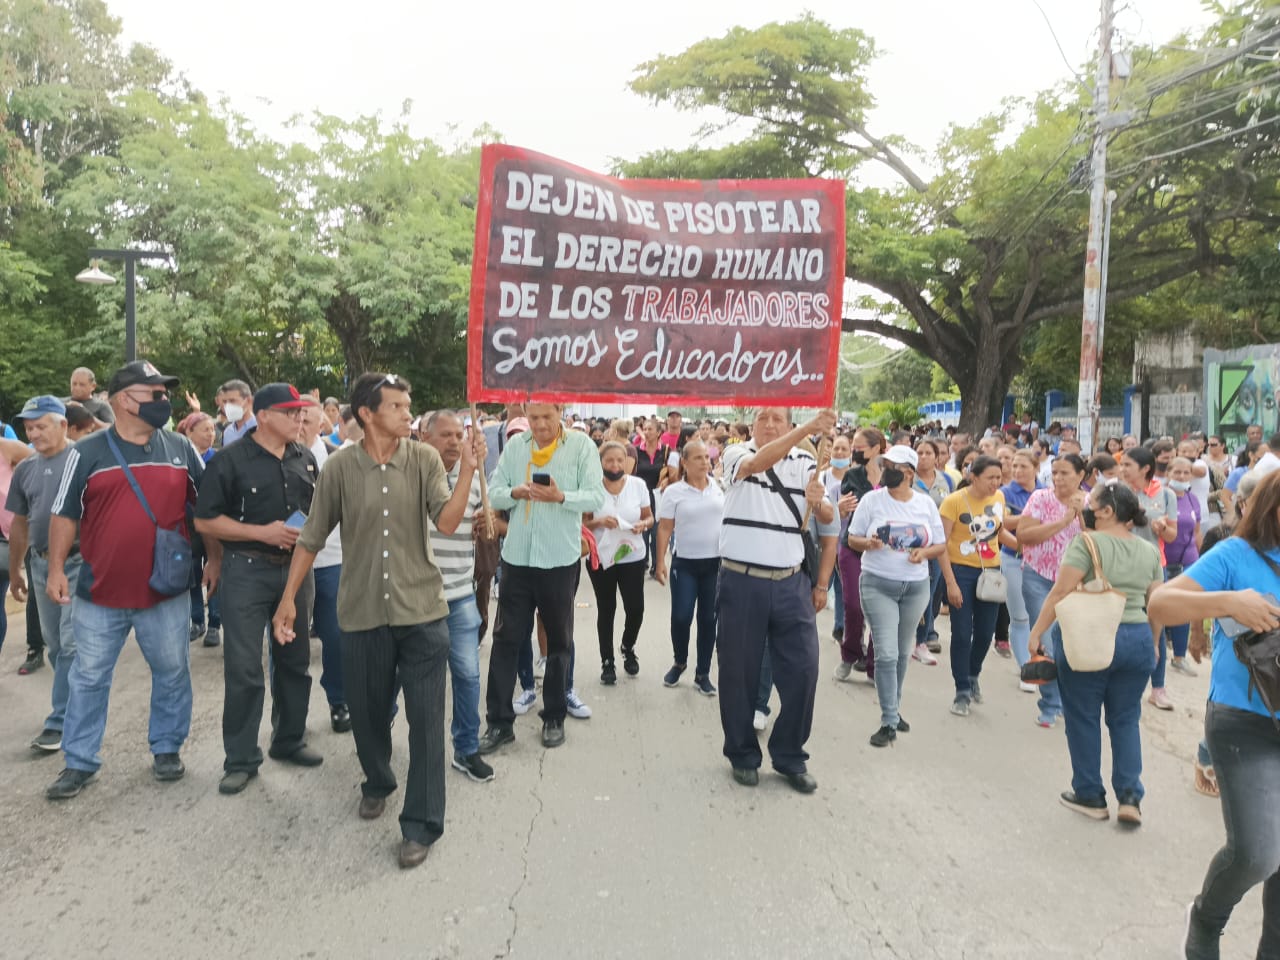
766, 593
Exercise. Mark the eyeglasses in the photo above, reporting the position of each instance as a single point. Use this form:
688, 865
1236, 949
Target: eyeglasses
297, 413
1214, 443
155, 395
390, 380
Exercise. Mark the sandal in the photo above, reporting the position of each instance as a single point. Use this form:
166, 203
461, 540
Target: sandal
1206, 780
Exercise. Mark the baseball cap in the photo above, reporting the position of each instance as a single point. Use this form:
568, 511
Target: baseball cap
518, 425
281, 396
139, 372
903, 455
37, 407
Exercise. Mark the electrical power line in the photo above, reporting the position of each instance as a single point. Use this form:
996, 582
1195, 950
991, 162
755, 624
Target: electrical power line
1053, 33
1226, 135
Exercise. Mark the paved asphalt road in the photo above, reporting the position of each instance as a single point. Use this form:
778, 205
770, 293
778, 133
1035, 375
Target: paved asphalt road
630, 841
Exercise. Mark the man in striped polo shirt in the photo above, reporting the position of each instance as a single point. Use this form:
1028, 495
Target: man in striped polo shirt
764, 593
455, 555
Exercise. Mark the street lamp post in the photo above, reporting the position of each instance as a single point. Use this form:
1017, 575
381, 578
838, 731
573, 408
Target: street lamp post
96, 276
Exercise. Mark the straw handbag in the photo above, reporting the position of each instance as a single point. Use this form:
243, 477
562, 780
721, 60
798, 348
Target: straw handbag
1089, 617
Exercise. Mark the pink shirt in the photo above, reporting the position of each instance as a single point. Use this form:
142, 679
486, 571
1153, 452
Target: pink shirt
1045, 558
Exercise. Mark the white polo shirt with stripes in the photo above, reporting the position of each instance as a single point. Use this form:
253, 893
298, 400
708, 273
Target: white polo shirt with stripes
455, 553
758, 527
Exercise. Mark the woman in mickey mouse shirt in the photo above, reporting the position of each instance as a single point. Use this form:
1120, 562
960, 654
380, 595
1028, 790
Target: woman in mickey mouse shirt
972, 518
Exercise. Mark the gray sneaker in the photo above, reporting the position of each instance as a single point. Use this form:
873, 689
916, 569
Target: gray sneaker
213, 637
975, 691
961, 707
843, 671
49, 741
575, 706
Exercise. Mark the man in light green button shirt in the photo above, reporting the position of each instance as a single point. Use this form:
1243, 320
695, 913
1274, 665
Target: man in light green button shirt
547, 479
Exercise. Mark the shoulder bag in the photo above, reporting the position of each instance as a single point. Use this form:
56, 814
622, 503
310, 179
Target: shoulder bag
992, 585
171, 567
1260, 654
812, 555
1089, 617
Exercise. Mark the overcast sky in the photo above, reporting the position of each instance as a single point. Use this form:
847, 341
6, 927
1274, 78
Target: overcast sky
552, 75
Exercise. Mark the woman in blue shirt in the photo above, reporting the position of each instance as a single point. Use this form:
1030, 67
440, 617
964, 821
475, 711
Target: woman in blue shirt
1016, 494
1239, 579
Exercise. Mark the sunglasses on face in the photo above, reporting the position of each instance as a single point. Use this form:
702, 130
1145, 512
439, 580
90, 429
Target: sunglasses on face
155, 395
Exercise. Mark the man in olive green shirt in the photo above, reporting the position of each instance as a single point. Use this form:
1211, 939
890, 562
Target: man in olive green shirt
391, 604
547, 478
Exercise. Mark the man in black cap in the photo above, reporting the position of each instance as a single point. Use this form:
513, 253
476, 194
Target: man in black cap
254, 499
113, 591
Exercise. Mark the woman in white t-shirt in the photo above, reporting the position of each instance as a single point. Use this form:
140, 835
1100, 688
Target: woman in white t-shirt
898, 530
619, 527
694, 505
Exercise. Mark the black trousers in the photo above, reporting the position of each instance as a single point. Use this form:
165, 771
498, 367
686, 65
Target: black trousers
750, 610
371, 662
251, 589
526, 590
626, 579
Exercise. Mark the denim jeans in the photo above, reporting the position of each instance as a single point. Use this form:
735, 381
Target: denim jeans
1019, 623
1035, 590
693, 584
161, 632
1117, 691
464, 670
927, 630
894, 608
973, 624
1246, 753
60, 635
198, 560
325, 622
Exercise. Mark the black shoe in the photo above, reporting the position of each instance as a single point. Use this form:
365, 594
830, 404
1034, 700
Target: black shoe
903, 726
552, 733
340, 718
629, 662
837, 634
672, 676
800, 782
495, 735
167, 767
234, 781
34, 661
747, 776
882, 737
69, 783
860, 665
474, 767
608, 676
1095, 807
48, 741
214, 637
196, 632
302, 757
1199, 941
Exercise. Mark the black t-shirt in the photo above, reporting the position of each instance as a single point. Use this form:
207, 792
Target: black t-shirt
249, 484
648, 469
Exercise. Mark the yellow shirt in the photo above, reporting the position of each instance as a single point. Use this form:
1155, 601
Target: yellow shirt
977, 523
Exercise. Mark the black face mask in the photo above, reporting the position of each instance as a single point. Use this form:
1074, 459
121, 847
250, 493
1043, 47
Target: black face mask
155, 413
1089, 518
613, 476
891, 477
859, 457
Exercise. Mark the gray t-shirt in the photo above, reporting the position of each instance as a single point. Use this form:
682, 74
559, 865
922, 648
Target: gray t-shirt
99, 408
32, 492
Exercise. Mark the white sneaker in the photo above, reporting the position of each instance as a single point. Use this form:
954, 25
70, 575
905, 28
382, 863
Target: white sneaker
575, 706
760, 720
842, 674
924, 656
540, 666
525, 702
1028, 687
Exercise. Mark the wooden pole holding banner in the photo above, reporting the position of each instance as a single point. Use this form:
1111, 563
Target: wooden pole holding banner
824, 461
484, 482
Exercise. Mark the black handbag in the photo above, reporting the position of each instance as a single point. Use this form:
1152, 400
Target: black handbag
812, 561
1260, 654
171, 566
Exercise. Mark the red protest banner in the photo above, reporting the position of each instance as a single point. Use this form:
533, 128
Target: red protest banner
589, 288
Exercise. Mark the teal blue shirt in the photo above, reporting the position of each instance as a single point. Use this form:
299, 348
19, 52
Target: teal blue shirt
547, 535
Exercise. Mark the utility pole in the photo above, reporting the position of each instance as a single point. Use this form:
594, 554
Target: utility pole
1089, 401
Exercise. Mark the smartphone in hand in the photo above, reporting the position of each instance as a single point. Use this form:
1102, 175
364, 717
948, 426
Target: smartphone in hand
541, 479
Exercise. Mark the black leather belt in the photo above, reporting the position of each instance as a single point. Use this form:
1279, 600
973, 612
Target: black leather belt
275, 559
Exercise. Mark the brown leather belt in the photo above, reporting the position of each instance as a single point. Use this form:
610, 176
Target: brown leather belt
762, 573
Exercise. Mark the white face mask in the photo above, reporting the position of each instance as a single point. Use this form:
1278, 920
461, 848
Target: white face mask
234, 412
